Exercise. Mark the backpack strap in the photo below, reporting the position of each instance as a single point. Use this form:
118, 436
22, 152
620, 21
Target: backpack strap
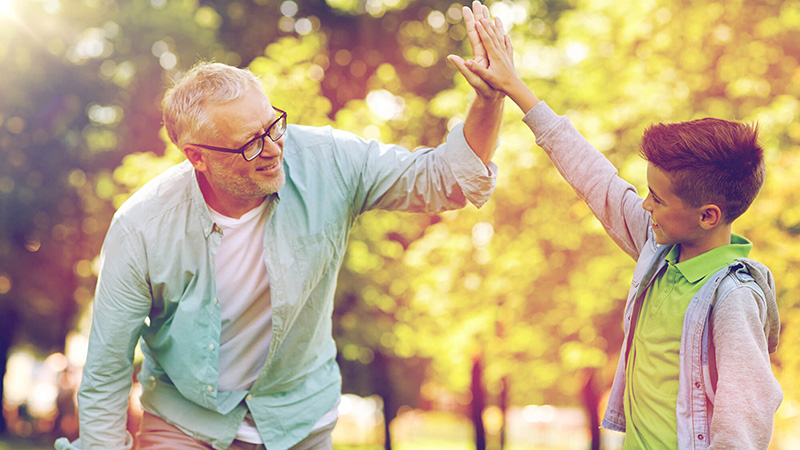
738, 275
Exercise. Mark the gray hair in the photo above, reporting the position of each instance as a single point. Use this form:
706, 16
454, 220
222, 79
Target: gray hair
184, 105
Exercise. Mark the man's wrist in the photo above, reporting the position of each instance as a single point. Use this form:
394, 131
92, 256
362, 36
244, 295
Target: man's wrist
489, 102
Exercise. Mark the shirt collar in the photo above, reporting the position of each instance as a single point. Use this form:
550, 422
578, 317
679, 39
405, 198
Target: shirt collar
701, 266
197, 197
209, 225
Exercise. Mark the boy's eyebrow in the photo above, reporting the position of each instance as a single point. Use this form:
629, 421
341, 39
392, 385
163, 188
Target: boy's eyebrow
654, 194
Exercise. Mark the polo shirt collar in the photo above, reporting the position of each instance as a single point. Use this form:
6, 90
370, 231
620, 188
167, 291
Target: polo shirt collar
710, 262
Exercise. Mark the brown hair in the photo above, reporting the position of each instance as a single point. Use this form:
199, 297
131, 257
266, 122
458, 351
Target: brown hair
709, 161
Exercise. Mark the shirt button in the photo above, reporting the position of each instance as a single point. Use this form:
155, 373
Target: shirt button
211, 347
697, 384
249, 397
700, 436
216, 301
210, 388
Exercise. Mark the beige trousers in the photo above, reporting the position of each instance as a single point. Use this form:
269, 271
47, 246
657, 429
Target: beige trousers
156, 433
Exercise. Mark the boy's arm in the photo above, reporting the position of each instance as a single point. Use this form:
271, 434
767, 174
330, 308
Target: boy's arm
613, 201
747, 394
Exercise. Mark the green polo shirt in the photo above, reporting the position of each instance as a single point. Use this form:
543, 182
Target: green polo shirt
651, 390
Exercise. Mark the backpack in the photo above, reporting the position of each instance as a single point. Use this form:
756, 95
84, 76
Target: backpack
738, 276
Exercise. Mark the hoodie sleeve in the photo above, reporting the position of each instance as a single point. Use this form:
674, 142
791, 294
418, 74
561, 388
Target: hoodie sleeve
614, 201
747, 393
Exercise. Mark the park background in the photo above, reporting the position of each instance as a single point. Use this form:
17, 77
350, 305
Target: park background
495, 328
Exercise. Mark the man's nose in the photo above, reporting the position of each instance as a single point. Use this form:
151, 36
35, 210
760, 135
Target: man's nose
272, 148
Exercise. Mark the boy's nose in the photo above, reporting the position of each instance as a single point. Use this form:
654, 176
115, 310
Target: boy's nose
647, 205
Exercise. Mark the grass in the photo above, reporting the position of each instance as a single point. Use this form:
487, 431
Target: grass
16, 443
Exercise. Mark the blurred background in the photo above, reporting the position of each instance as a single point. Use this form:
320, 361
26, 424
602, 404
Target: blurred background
490, 329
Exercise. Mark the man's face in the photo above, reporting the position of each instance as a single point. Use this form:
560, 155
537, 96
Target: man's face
236, 123
672, 222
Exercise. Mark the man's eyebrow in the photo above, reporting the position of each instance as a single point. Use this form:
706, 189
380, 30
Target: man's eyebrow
257, 134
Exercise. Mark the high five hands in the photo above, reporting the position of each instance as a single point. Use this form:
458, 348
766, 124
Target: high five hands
491, 70
479, 14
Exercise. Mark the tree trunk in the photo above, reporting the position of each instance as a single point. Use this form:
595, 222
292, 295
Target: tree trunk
384, 390
591, 400
503, 409
3, 359
478, 403
8, 321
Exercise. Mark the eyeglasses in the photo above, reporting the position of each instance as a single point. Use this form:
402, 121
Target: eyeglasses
255, 146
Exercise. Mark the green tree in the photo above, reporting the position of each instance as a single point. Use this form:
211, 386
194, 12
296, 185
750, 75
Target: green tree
80, 95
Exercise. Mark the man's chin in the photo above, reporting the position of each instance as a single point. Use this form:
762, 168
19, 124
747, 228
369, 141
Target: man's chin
273, 184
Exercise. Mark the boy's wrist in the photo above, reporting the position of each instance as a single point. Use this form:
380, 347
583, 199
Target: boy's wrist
522, 95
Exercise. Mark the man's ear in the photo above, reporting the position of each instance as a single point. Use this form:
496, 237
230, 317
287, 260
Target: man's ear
711, 216
195, 157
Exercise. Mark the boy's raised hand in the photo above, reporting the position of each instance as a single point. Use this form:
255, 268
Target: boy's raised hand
500, 72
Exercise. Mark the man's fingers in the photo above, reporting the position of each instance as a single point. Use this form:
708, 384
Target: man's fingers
470, 20
477, 9
461, 65
468, 17
456, 61
477, 70
473, 79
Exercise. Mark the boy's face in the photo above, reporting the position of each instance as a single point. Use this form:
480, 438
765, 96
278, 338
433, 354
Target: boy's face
672, 222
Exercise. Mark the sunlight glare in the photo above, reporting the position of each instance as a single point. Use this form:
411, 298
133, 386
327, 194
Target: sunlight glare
385, 105
5, 8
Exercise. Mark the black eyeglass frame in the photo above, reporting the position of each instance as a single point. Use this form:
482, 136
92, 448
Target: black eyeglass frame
240, 150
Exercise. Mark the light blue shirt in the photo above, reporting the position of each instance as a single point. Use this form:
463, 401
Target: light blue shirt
157, 281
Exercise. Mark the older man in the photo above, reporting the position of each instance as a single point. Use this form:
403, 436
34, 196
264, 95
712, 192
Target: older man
226, 264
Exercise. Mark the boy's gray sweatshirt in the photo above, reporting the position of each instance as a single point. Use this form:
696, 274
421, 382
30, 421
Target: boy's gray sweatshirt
738, 411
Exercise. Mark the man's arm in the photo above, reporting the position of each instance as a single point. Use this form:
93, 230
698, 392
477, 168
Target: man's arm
482, 125
122, 302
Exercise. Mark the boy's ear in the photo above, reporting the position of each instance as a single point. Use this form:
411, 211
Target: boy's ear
195, 157
711, 216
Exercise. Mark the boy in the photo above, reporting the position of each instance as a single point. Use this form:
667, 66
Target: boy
701, 318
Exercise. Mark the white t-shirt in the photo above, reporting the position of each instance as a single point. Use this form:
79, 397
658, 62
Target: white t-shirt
245, 309
243, 292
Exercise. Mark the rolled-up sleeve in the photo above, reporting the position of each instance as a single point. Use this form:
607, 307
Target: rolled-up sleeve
430, 180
